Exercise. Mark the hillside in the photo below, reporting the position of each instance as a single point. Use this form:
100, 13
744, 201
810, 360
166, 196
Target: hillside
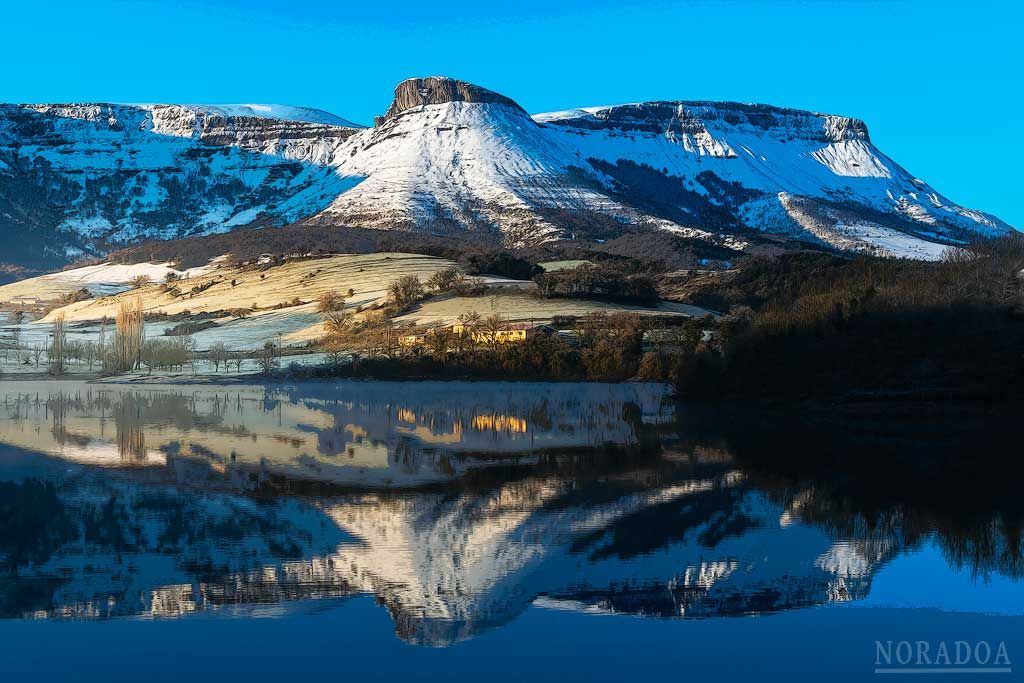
245, 306
449, 158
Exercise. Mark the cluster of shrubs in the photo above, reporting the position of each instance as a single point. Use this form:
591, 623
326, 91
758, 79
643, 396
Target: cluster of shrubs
600, 346
160, 354
601, 281
500, 263
82, 294
188, 328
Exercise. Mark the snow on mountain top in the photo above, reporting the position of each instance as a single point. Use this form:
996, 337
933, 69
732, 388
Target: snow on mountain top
104, 110
575, 113
276, 111
445, 145
450, 154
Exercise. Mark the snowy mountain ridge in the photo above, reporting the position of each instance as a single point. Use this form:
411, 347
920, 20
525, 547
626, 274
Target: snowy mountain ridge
449, 157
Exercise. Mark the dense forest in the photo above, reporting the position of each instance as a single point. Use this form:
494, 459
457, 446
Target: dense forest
815, 325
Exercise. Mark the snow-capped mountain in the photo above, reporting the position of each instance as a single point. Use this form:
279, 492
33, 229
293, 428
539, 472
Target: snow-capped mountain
448, 157
79, 178
451, 154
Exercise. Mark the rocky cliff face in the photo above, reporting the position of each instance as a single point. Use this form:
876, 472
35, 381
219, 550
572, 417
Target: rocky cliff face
692, 118
422, 92
451, 157
305, 141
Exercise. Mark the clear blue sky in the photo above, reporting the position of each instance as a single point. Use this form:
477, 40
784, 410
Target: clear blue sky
940, 84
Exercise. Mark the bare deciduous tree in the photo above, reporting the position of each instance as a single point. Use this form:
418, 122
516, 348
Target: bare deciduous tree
446, 279
140, 281
128, 336
267, 357
58, 345
218, 354
438, 341
330, 302
158, 353
406, 290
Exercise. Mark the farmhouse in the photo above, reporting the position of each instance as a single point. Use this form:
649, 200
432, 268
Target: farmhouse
509, 334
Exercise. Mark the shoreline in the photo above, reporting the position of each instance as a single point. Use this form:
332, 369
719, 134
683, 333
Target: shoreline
260, 378
855, 403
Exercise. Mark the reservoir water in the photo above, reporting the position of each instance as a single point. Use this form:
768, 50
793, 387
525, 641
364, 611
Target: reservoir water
498, 530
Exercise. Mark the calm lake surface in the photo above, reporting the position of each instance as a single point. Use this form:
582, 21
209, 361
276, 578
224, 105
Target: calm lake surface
493, 530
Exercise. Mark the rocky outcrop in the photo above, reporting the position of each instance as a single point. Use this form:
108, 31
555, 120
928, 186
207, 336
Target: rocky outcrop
694, 118
304, 141
420, 92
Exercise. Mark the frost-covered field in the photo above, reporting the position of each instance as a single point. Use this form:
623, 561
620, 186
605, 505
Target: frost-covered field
280, 304
103, 279
522, 308
215, 293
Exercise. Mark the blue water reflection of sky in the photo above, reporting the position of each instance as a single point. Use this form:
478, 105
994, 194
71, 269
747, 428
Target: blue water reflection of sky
354, 639
923, 578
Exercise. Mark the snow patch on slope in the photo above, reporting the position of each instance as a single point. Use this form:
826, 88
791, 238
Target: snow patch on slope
122, 274
889, 242
282, 112
480, 163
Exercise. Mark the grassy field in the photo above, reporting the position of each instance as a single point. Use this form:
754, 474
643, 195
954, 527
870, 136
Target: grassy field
101, 279
226, 288
523, 307
280, 301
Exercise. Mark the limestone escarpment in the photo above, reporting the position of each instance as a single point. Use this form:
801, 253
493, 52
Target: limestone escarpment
693, 118
419, 92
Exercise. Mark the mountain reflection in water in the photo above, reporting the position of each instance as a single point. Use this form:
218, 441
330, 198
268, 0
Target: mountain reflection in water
459, 505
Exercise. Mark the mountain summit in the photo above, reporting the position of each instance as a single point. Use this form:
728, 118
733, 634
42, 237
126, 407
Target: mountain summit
450, 157
414, 93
